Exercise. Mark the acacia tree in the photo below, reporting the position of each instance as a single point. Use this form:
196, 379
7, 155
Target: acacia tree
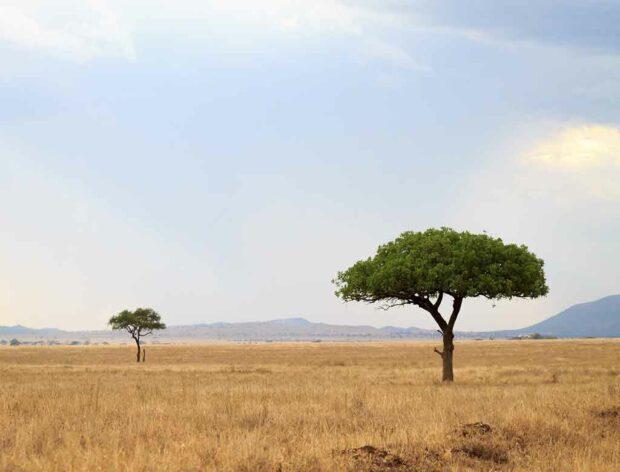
422, 268
138, 323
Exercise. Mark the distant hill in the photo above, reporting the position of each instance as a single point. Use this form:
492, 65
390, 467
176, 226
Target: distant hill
23, 330
289, 329
600, 318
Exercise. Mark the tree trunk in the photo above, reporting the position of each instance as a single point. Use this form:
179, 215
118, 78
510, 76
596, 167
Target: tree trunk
446, 356
138, 345
143, 354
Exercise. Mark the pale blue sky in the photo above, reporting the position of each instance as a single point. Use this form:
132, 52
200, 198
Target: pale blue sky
222, 160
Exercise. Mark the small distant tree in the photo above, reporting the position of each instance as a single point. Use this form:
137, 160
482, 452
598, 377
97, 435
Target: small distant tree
421, 268
138, 323
14, 342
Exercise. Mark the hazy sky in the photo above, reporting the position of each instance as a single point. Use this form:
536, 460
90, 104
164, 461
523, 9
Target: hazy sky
222, 160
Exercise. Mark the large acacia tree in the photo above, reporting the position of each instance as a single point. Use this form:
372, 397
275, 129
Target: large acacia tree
138, 323
422, 268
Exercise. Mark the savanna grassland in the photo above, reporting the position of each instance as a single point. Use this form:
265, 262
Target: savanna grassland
515, 405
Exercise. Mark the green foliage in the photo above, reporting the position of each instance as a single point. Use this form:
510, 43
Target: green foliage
141, 322
420, 265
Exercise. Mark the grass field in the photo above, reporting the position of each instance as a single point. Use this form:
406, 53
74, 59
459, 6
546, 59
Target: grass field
530, 405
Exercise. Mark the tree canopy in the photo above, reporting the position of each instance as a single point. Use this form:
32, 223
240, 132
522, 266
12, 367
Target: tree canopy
145, 320
420, 265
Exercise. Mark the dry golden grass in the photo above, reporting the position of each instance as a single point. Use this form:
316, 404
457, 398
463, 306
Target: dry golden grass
551, 405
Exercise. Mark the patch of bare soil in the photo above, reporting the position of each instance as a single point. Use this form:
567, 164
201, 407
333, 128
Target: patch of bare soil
475, 446
475, 429
426, 460
608, 419
608, 413
476, 442
378, 459
484, 451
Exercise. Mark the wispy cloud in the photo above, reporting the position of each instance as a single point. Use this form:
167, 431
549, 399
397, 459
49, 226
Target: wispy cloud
587, 156
579, 148
325, 16
83, 30
393, 55
591, 26
80, 31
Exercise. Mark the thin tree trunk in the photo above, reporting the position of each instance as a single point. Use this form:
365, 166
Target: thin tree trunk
138, 355
446, 356
143, 354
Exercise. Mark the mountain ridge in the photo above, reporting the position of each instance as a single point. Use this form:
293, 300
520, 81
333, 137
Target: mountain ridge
599, 318
568, 323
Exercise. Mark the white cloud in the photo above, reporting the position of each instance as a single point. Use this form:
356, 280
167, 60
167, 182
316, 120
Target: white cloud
579, 148
584, 159
363, 22
83, 30
77, 30
265, 16
325, 16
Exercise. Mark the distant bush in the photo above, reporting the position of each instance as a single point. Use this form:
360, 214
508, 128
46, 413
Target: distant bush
14, 342
533, 336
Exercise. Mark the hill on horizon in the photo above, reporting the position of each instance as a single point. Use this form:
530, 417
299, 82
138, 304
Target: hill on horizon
599, 318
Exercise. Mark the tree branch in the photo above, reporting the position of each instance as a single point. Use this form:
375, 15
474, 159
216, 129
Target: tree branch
389, 305
438, 352
438, 319
428, 306
456, 308
438, 301
400, 299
